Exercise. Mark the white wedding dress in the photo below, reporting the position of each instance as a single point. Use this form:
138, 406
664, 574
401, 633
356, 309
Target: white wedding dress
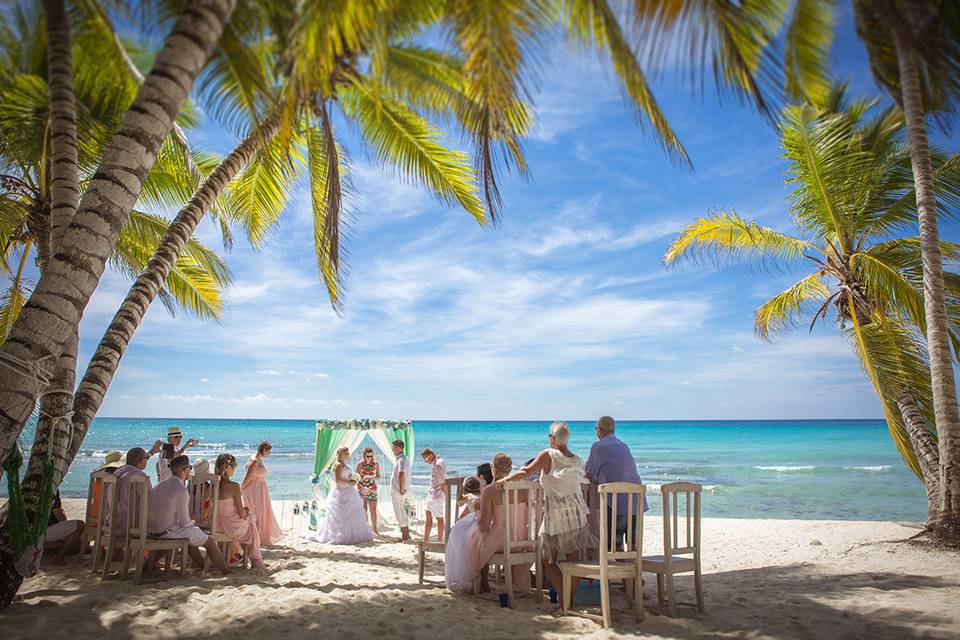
345, 521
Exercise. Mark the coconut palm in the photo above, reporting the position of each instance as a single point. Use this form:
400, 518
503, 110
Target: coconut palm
852, 203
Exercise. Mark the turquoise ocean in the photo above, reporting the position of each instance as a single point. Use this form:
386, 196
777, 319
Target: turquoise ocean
803, 469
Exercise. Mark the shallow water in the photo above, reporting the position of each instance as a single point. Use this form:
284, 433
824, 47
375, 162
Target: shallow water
811, 469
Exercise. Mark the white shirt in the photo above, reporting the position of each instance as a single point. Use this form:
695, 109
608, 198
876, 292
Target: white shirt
438, 474
169, 506
402, 465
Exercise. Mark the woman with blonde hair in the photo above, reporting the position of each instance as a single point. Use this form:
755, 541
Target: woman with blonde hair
233, 518
257, 495
565, 530
345, 522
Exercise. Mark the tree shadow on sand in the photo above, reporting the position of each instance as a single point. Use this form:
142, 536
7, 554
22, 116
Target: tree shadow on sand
808, 602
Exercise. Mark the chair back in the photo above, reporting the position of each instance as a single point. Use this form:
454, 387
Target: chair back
204, 489
452, 489
94, 491
633, 545
522, 510
107, 502
138, 508
675, 543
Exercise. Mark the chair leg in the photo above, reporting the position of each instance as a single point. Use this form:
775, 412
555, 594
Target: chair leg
107, 558
422, 559
538, 567
638, 597
125, 567
138, 563
95, 555
567, 593
697, 583
183, 558
671, 596
605, 602
659, 588
508, 574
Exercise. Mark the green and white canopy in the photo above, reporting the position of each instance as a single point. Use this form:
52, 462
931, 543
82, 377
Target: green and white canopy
333, 434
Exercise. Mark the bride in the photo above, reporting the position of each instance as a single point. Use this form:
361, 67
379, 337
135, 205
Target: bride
345, 522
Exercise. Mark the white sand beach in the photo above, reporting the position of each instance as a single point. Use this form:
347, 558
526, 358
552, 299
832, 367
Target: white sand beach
762, 579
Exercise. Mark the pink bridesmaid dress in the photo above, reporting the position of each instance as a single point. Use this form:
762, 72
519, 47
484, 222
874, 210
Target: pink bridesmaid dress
241, 528
257, 497
484, 545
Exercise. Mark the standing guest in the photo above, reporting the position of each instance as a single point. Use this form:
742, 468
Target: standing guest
233, 518
169, 515
62, 534
435, 494
257, 495
136, 463
485, 473
171, 450
369, 471
399, 482
610, 460
565, 530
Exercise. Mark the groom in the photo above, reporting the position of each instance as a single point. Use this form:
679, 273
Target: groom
399, 483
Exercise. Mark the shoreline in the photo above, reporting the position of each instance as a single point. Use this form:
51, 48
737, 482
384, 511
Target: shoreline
762, 579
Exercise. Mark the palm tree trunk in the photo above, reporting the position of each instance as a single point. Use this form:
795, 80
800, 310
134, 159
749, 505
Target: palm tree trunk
54, 310
938, 341
63, 121
105, 361
921, 439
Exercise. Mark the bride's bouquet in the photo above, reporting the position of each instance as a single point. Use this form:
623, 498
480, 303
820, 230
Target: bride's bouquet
355, 477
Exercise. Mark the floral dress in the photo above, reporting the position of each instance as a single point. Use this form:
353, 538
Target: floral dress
367, 484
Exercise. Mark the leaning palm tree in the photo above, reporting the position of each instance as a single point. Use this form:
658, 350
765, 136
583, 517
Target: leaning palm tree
852, 203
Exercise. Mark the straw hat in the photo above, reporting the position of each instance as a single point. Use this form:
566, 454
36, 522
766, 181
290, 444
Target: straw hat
174, 431
112, 460
201, 466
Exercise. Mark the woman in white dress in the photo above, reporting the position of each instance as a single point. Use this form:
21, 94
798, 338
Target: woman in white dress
345, 522
565, 531
459, 566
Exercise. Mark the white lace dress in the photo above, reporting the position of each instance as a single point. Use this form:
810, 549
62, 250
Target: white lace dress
565, 525
459, 565
345, 522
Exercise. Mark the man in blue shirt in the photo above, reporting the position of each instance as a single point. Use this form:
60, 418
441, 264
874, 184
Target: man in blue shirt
610, 460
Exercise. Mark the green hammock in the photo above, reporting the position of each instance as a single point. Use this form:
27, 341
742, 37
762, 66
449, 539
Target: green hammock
23, 535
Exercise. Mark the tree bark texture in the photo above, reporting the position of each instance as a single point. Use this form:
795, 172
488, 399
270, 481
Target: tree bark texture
921, 439
938, 341
63, 121
64, 289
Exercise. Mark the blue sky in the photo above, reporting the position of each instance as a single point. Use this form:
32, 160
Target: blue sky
565, 311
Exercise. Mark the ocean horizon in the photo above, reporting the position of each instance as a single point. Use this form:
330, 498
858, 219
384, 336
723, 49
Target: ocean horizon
843, 469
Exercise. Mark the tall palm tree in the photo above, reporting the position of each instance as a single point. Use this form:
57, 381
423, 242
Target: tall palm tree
914, 52
852, 203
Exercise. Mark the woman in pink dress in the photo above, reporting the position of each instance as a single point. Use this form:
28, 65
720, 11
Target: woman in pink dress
488, 538
257, 495
233, 518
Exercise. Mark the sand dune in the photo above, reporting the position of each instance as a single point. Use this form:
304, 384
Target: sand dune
763, 579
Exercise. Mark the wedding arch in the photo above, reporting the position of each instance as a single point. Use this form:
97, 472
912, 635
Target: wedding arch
334, 434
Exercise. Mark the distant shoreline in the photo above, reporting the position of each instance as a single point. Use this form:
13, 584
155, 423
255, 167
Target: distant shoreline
528, 421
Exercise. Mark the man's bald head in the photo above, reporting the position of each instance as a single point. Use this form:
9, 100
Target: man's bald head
136, 455
606, 426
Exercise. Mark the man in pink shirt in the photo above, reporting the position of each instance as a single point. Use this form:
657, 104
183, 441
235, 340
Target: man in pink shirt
435, 496
169, 515
136, 463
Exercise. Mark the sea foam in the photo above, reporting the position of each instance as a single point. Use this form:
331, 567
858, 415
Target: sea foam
879, 467
787, 468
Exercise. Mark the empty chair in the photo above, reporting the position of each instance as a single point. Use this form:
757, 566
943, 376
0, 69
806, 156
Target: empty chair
613, 563
451, 490
522, 515
107, 534
139, 540
681, 554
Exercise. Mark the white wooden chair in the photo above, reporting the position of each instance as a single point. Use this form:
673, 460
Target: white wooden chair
676, 558
451, 493
139, 540
92, 515
204, 491
106, 535
613, 563
521, 533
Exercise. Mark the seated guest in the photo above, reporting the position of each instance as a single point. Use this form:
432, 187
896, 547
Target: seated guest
490, 523
62, 534
610, 460
169, 515
233, 518
136, 463
485, 473
459, 566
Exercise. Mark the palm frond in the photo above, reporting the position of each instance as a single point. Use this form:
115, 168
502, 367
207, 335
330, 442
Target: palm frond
807, 49
11, 302
727, 238
783, 310
326, 195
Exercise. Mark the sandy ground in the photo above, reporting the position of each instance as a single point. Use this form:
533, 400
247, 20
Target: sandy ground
762, 579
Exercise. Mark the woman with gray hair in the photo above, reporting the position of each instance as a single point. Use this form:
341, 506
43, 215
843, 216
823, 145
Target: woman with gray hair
565, 530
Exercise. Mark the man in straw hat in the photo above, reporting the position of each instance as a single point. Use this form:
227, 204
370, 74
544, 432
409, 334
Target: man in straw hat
111, 462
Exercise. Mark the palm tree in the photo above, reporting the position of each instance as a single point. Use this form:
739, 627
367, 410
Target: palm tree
852, 202
914, 52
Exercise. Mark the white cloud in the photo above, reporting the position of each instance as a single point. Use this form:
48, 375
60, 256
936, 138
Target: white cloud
268, 372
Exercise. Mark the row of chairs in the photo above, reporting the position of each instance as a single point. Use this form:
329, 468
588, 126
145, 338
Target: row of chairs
611, 561
132, 536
